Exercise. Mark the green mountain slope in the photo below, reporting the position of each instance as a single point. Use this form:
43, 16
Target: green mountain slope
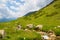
49, 17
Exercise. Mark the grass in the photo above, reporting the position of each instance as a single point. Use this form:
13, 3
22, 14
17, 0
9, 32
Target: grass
49, 17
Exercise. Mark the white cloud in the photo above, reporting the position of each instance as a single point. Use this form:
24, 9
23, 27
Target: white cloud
1, 16
13, 9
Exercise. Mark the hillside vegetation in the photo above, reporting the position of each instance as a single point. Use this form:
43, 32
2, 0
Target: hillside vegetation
49, 17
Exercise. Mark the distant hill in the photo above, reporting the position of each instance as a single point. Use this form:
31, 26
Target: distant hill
30, 13
7, 20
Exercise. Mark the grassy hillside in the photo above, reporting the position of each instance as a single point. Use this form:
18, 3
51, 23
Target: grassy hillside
49, 17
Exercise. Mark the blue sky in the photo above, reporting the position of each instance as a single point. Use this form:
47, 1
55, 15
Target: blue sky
18, 8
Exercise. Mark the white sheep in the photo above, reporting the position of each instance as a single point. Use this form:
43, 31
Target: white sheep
30, 26
52, 35
2, 33
39, 26
58, 26
44, 35
26, 29
18, 27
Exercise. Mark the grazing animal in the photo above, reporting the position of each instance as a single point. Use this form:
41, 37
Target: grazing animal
58, 38
30, 26
19, 27
2, 33
26, 29
39, 27
52, 35
44, 35
58, 26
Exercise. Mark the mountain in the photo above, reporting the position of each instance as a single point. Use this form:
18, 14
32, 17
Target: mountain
6, 20
19, 8
30, 13
49, 17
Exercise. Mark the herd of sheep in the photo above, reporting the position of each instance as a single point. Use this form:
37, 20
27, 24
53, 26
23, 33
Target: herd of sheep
50, 35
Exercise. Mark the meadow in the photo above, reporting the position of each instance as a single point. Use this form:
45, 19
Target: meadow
48, 16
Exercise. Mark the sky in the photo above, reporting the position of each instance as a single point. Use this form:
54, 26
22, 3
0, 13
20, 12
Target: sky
12, 9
